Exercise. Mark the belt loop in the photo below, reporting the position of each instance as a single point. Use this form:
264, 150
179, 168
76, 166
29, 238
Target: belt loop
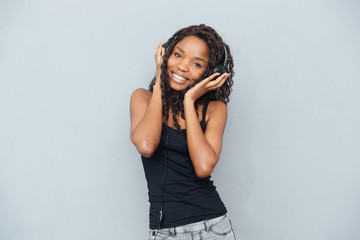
206, 226
172, 231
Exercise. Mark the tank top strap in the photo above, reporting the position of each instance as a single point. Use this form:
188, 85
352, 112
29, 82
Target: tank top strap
204, 109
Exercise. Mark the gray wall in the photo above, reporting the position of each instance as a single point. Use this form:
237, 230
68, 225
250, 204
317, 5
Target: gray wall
290, 162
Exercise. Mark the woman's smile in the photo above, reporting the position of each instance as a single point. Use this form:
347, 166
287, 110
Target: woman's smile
179, 79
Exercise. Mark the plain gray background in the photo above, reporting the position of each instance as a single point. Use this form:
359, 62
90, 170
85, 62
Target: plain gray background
290, 162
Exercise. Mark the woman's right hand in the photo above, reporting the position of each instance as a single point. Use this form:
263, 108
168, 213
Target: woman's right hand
160, 51
159, 54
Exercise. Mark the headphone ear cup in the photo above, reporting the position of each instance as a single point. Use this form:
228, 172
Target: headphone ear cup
220, 69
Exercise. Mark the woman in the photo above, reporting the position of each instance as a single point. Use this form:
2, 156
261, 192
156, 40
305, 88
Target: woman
177, 126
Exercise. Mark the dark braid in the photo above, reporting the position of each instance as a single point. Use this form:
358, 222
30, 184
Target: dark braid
174, 98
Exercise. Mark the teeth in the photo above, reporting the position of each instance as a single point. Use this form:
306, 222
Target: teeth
177, 77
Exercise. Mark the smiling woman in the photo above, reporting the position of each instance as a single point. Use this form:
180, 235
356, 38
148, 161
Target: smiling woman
177, 126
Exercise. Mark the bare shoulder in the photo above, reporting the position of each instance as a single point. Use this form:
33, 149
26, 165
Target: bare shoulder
216, 114
139, 102
141, 94
217, 108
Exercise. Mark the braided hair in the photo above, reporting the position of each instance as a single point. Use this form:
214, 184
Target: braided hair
175, 98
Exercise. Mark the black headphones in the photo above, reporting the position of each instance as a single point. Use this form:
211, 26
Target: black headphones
220, 68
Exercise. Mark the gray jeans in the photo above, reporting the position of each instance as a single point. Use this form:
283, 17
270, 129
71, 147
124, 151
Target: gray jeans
219, 228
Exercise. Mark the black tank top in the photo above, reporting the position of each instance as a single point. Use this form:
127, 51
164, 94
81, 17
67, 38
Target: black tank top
187, 198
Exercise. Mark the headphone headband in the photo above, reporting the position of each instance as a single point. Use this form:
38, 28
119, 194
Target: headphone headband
226, 57
166, 45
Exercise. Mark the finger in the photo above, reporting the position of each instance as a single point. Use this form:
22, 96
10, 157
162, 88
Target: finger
220, 78
213, 88
218, 82
158, 50
223, 79
211, 77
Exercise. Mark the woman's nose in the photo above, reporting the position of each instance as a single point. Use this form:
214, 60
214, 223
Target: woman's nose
183, 66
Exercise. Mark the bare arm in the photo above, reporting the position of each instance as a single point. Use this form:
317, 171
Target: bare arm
205, 148
146, 114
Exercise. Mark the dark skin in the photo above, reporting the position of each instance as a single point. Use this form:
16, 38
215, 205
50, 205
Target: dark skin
186, 64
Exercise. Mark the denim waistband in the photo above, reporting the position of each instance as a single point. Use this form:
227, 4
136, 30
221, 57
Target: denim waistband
193, 227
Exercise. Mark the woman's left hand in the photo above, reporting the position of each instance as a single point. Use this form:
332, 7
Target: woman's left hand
206, 85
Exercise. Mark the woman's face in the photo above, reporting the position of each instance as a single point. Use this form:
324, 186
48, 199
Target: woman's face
187, 62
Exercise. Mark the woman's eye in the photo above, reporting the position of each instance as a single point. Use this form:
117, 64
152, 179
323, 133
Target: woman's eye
197, 65
177, 55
